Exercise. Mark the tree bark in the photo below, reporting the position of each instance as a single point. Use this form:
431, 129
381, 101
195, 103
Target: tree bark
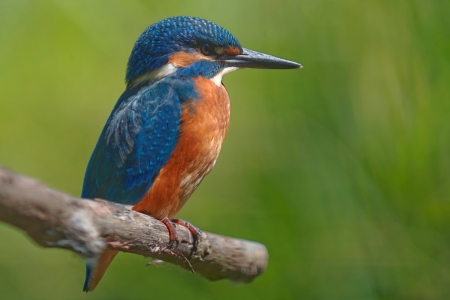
55, 219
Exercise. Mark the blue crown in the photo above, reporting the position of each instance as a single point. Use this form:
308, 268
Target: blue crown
158, 41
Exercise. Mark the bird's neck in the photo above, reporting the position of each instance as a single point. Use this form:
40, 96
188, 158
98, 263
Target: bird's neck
154, 75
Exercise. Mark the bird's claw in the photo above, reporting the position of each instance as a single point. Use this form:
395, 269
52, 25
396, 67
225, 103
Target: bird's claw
195, 231
173, 237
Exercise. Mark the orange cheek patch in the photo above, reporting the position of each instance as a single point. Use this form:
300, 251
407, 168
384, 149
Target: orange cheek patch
232, 51
184, 59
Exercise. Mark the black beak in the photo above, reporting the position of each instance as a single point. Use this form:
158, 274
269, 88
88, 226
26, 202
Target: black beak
258, 60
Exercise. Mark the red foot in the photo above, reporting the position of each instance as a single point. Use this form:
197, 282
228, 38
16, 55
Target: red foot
196, 233
173, 238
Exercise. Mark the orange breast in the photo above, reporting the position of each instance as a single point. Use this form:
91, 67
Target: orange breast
204, 123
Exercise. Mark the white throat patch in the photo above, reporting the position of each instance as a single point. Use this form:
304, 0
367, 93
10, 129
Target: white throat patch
218, 77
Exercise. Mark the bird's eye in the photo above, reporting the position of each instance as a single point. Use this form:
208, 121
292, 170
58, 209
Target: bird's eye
206, 49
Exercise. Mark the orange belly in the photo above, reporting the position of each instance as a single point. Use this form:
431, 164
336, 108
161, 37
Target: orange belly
204, 123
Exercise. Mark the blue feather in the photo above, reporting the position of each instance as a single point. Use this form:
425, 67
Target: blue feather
88, 277
137, 141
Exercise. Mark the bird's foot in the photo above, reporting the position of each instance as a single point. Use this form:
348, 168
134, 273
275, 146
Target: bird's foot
195, 231
173, 238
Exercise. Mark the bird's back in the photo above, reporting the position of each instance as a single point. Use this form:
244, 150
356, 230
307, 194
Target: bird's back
135, 143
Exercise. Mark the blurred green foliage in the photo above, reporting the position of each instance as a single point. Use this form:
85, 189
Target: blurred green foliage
341, 168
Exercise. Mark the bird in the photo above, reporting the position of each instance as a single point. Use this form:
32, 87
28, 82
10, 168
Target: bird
166, 130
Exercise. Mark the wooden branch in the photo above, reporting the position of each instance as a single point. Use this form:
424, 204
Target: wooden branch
54, 219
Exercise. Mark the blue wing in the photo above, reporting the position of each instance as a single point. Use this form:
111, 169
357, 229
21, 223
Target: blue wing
135, 144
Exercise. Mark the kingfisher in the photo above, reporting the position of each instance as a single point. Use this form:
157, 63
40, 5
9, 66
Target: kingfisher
166, 130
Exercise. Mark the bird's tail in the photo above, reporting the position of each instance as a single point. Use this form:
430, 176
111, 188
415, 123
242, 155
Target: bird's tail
95, 271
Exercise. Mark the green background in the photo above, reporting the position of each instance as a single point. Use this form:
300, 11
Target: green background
341, 168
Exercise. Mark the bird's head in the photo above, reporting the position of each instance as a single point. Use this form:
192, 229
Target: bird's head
200, 47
